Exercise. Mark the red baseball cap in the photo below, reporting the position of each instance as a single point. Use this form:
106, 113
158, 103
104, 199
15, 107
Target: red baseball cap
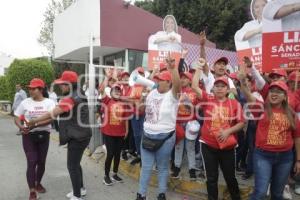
124, 74
187, 74
162, 67
164, 76
293, 76
67, 77
36, 83
224, 59
281, 84
233, 76
117, 86
140, 70
222, 79
280, 72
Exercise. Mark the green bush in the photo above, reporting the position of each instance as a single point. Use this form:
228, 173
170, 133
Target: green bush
4, 88
22, 71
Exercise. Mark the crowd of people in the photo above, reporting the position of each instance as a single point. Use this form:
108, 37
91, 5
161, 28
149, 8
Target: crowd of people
246, 122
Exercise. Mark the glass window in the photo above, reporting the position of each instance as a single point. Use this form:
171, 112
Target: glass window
136, 59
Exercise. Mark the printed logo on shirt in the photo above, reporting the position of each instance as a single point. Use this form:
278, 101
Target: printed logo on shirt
277, 134
116, 114
186, 103
219, 119
152, 110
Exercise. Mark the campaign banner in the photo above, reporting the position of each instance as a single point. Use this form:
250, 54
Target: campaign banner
281, 50
255, 55
164, 42
156, 57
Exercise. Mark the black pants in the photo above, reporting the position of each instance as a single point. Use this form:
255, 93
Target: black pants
129, 141
114, 147
75, 152
226, 159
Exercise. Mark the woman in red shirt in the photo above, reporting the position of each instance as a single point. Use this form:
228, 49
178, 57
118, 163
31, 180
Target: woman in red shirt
223, 118
114, 128
278, 130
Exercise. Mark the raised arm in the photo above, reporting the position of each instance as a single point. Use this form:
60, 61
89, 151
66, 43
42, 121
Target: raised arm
287, 10
176, 86
195, 82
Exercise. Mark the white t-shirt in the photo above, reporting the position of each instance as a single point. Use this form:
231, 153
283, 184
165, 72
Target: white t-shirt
53, 97
33, 109
209, 82
161, 112
165, 46
288, 23
255, 41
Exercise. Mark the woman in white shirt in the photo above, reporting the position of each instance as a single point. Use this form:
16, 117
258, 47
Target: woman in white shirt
159, 126
35, 140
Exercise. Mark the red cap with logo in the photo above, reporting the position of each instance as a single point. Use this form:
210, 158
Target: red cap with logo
36, 83
162, 67
67, 77
140, 70
124, 74
116, 86
222, 79
187, 74
164, 76
222, 59
280, 84
280, 72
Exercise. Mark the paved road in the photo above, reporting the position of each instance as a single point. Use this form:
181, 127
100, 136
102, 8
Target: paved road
13, 184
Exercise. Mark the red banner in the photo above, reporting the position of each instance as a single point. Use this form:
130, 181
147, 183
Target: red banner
255, 55
156, 57
281, 50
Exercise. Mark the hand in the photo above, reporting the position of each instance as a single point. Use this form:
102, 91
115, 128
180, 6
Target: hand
184, 52
25, 130
202, 38
247, 62
170, 62
30, 123
223, 136
297, 168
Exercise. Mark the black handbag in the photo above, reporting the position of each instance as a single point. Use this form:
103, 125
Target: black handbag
39, 136
154, 144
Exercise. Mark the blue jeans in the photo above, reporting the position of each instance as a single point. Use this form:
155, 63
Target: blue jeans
274, 168
189, 147
137, 124
162, 159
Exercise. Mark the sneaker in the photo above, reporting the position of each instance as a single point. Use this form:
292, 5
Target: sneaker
116, 178
76, 198
193, 176
140, 197
135, 161
175, 173
297, 189
33, 196
124, 156
82, 191
40, 189
107, 181
161, 196
287, 193
269, 191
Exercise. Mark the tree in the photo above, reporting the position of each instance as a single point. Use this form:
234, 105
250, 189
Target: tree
221, 17
22, 71
4, 93
46, 32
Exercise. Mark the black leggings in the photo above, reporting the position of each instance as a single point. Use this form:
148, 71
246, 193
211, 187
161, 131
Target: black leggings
114, 147
226, 159
74, 155
36, 154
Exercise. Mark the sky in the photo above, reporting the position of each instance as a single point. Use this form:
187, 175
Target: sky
20, 22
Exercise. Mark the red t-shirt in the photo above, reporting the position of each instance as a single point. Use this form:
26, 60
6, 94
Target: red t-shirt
275, 134
114, 117
187, 103
66, 104
293, 98
218, 115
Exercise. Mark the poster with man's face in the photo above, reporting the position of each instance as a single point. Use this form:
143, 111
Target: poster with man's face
281, 35
248, 40
163, 42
